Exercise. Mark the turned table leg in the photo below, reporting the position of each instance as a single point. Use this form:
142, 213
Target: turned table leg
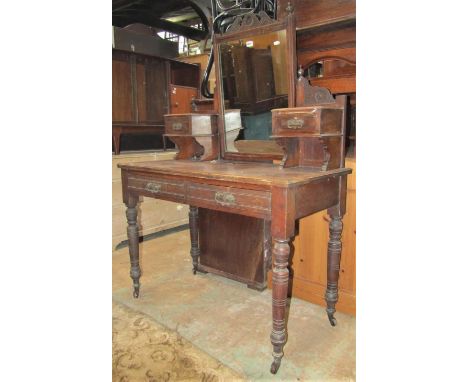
133, 245
333, 264
280, 283
193, 224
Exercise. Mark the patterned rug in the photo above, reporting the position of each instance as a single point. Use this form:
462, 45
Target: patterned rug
143, 350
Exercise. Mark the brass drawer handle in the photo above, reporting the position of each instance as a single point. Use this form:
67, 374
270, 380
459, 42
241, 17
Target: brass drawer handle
177, 126
153, 187
295, 123
225, 198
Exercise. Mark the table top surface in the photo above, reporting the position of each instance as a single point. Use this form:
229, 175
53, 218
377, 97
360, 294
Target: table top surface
137, 124
240, 172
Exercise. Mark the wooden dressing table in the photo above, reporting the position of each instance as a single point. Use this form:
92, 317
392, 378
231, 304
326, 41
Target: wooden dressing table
267, 191
276, 193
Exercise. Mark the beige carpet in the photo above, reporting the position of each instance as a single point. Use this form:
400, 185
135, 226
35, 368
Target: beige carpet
143, 350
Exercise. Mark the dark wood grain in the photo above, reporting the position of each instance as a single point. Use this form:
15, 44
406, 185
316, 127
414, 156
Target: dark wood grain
326, 37
142, 93
333, 265
312, 13
181, 98
193, 224
280, 270
225, 173
235, 246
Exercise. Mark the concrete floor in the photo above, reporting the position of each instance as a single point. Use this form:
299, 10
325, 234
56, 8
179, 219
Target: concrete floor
231, 322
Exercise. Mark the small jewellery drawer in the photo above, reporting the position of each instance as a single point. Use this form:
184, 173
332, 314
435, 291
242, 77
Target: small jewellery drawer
177, 125
191, 124
305, 121
160, 188
258, 203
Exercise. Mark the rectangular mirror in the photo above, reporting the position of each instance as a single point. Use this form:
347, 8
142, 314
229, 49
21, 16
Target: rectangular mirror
254, 76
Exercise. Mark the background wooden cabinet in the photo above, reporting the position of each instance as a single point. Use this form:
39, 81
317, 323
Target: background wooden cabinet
144, 88
139, 93
181, 98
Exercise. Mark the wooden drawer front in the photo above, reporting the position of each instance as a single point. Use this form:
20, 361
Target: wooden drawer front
250, 202
162, 189
312, 121
177, 125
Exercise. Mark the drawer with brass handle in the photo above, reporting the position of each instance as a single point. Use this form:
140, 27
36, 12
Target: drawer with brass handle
250, 202
177, 125
162, 188
191, 124
225, 198
153, 187
304, 121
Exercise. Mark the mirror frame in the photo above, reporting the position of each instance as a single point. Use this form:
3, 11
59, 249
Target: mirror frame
288, 24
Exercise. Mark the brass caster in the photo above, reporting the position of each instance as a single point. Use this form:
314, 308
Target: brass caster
136, 292
275, 366
332, 319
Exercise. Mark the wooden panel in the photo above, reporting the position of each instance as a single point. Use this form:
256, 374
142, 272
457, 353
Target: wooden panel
310, 13
141, 91
339, 35
181, 99
121, 91
173, 190
229, 199
233, 244
184, 74
157, 102
337, 85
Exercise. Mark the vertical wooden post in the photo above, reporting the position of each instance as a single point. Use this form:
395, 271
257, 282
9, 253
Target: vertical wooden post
195, 249
333, 264
132, 233
282, 229
280, 283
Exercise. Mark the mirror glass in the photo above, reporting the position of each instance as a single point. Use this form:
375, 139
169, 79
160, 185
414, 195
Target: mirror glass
254, 81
